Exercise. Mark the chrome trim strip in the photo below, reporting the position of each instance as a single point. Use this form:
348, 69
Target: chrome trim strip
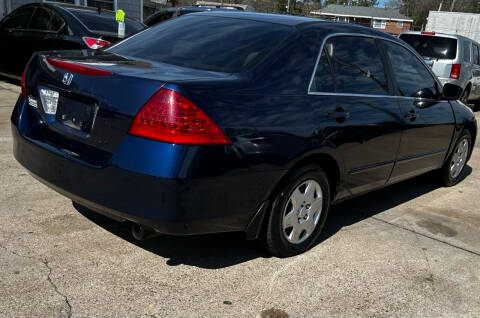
309, 92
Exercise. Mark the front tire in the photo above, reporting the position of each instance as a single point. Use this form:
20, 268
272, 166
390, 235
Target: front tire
298, 213
454, 169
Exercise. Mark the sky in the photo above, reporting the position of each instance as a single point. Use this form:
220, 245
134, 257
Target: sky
381, 3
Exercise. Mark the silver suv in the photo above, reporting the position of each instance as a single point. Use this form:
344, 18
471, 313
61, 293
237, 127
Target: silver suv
453, 58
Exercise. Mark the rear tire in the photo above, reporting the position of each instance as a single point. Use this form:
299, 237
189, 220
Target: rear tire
453, 170
464, 98
298, 212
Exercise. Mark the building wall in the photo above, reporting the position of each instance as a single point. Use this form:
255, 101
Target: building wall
392, 27
132, 8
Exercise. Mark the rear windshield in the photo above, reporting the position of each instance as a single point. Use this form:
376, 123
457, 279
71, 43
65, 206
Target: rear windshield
206, 42
105, 21
435, 47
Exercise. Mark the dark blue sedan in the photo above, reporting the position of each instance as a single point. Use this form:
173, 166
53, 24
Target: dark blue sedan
220, 122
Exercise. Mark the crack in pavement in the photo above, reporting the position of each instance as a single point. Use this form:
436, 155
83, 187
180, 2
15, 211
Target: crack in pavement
49, 279
426, 236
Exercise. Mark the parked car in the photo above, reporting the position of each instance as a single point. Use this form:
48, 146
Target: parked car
455, 59
219, 122
172, 12
46, 26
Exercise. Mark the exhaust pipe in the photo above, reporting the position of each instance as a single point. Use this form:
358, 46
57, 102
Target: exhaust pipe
141, 233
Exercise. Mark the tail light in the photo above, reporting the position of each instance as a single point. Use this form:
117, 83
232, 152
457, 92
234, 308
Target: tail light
455, 72
427, 33
24, 85
95, 43
77, 68
171, 117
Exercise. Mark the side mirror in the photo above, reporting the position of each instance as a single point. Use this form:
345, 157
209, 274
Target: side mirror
452, 92
425, 93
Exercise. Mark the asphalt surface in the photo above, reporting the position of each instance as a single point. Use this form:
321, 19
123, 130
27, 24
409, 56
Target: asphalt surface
410, 250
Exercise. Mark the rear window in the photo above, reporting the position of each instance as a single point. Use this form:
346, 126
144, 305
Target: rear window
105, 21
207, 43
435, 47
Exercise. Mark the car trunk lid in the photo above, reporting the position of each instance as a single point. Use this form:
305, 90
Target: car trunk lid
93, 111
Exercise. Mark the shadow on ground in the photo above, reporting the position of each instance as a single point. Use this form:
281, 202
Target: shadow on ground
228, 249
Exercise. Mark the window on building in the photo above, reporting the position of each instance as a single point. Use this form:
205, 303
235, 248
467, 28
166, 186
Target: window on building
379, 24
400, 24
104, 4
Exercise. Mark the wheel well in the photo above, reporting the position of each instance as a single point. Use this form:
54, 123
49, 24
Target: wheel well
473, 132
326, 162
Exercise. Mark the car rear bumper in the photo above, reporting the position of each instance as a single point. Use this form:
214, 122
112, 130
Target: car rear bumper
220, 198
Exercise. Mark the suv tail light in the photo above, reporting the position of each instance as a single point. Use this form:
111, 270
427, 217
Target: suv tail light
455, 72
171, 117
95, 43
77, 68
427, 33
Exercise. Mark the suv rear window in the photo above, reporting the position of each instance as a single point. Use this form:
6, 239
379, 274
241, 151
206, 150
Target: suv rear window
435, 47
207, 43
105, 21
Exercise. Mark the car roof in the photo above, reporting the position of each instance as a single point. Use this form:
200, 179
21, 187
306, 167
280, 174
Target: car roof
261, 17
72, 6
301, 21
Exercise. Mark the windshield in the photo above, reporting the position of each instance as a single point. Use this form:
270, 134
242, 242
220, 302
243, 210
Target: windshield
435, 47
105, 22
206, 42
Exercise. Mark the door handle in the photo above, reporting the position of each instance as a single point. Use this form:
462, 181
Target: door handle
412, 115
339, 115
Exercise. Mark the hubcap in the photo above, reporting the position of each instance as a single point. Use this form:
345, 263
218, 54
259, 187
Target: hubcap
459, 158
302, 211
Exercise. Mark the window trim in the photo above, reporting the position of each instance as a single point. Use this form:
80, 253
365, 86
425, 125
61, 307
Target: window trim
331, 35
400, 24
382, 22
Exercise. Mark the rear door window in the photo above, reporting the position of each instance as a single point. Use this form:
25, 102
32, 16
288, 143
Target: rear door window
435, 47
410, 74
323, 79
476, 59
466, 51
20, 19
357, 66
40, 20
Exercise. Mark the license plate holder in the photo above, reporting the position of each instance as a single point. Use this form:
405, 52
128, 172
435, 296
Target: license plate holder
76, 113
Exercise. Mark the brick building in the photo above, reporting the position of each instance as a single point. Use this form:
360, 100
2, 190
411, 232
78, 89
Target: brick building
383, 19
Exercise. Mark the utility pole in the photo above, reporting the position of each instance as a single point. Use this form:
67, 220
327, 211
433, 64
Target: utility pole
440, 6
288, 6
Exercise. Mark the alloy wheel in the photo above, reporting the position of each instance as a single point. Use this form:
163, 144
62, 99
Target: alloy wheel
302, 211
459, 158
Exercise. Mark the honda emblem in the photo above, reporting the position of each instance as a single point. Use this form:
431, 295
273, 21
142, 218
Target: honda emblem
67, 78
